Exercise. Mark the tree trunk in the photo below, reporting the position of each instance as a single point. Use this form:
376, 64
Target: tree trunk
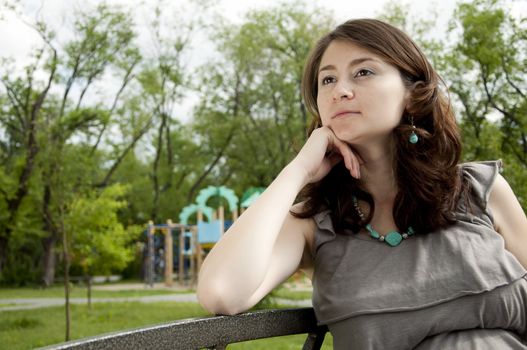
87, 278
66, 282
49, 242
48, 260
155, 168
3, 253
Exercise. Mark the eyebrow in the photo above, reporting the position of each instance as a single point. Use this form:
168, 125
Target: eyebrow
351, 64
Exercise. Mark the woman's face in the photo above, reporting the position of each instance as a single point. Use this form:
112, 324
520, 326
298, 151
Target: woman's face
360, 97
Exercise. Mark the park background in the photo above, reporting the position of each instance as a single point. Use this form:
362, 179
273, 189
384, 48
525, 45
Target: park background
115, 114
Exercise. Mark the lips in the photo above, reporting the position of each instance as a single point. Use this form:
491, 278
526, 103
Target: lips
344, 113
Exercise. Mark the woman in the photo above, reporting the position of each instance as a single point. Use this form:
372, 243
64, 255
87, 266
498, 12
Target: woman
406, 247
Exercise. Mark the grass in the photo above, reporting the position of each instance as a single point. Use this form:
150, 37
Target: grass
293, 295
79, 292
27, 329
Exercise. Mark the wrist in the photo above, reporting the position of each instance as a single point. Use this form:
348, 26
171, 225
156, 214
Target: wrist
297, 174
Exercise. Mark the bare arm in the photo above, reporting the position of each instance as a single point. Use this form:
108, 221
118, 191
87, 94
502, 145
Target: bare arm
509, 219
265, 245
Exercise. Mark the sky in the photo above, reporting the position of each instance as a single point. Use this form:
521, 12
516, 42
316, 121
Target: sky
17, 39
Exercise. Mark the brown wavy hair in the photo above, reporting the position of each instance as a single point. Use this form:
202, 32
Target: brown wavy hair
427, 176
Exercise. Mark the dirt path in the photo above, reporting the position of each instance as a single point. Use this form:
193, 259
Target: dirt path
36, 303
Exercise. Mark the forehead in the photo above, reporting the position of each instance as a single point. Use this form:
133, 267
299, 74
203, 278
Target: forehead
340, 51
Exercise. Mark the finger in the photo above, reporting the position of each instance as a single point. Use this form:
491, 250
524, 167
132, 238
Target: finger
350, 161
343, 149
356, 160
349, 158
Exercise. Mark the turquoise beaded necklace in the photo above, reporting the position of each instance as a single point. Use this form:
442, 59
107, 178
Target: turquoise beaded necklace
392, 238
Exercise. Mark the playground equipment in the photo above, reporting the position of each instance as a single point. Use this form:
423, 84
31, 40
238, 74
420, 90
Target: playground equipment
200, 237
202, 233
184, 231
210, 232
149, 273
250, 196
219, 192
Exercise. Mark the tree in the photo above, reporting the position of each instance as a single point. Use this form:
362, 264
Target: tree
483, 63
63, 138
162, 80
251, 118
487, 68
41, 125
97, 241
21, 116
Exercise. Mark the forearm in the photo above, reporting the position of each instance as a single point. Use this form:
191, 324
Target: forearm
237, 264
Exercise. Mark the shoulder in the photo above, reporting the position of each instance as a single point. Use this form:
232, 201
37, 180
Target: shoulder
483, 171
503, 203
509, 218
480, 177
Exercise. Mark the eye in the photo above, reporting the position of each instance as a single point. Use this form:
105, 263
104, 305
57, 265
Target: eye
328, 80
363, 73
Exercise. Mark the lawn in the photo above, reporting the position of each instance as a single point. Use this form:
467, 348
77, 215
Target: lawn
291, 294
27, 329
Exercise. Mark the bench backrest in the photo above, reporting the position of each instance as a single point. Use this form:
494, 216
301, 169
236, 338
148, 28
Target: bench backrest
211, 332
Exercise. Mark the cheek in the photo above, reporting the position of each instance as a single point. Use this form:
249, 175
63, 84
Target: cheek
393, 97
322, 109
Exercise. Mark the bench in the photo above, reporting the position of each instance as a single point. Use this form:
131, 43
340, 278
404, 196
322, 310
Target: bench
211, 332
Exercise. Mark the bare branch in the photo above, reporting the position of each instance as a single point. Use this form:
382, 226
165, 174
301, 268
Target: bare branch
211, 166
16, 103
121, 157
511, 83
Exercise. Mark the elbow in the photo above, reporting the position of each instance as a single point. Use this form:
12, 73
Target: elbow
217, 299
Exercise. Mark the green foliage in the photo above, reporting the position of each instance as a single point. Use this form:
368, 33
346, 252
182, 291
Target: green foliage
487, 67
251, 116
98, 241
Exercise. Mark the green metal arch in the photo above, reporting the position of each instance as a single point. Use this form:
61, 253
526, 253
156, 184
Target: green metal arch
250, 195
193, 208
221, 191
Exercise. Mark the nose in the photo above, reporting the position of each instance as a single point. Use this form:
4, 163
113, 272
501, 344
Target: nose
343, 91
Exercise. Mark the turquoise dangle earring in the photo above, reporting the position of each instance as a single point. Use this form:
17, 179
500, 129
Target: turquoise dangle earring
413, 136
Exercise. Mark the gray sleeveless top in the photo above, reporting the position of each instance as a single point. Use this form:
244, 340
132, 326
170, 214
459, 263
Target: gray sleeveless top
457, 288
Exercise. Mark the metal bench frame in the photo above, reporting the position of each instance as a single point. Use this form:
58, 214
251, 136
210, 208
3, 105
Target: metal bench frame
211, 332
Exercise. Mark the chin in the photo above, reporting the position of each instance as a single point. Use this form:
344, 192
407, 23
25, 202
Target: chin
345, 135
